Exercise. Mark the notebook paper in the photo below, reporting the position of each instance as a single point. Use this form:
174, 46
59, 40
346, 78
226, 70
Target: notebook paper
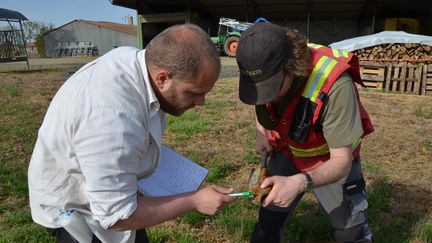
175, 174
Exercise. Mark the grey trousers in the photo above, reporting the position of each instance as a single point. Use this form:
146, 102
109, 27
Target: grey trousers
344, 202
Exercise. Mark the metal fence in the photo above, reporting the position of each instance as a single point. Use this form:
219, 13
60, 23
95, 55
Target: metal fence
12, 46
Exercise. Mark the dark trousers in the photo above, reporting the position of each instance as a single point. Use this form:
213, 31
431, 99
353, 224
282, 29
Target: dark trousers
62, 236
344, 202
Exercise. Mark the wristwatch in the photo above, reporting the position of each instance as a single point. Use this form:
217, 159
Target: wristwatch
308, 182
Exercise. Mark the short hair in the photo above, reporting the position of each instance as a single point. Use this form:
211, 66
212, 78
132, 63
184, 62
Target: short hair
182, 50
299, 62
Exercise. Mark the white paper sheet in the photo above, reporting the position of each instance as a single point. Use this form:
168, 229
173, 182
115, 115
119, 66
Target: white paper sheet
175, 174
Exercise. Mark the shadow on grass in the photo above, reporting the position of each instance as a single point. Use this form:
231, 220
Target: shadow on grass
397, 213
400, 213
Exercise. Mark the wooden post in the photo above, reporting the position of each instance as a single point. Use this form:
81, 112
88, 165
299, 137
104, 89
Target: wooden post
423, 80
395, 77
389, 77
418, 78
403, 78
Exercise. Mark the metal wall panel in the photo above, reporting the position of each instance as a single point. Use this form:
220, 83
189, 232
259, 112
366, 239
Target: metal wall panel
77, 31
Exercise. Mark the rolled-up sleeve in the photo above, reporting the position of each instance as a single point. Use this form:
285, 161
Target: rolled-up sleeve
109, 144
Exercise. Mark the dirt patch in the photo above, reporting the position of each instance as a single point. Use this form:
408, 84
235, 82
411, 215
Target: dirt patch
401, 143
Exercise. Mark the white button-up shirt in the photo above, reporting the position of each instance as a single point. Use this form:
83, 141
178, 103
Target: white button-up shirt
102, 132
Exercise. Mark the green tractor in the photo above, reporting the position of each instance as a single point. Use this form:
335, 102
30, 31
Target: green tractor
229, 35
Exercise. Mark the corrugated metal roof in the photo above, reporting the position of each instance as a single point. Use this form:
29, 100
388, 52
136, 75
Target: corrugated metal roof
6, 14
125, 28
276, 9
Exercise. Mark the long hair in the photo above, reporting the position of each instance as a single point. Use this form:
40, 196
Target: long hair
182, 50
299, 62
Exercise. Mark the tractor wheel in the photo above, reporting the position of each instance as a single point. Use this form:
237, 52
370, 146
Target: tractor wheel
230, 46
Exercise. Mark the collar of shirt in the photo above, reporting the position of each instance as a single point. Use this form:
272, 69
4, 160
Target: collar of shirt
153, 101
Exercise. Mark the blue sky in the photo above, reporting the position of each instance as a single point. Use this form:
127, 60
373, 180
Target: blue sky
60, 12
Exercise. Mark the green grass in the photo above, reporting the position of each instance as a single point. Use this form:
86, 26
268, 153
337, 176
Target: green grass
423, 230
188, 124
13, 183
428, 143
422, 111
13, 90
251, 158
196, 156
184, 237
28, 232
214, 104
19, 121
379, 198
194, 219
157, 235
370, 166
219, 168
250, 155
20, 118
240, 227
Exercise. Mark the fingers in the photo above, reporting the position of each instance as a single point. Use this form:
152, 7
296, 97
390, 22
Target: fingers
267, 182
269, 148
260, 150
266, 148
223, 190
277, 196
212, 199
272, 198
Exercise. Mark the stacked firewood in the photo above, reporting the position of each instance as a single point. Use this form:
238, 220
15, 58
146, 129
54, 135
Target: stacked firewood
396, 52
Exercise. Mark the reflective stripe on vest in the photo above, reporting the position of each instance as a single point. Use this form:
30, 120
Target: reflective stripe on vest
315, 46
356, 143
311, 152
316, 80
339, 53
321, 150
336, 52
319, 74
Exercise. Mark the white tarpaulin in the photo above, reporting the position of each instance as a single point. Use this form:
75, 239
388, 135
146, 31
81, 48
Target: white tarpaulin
385, 37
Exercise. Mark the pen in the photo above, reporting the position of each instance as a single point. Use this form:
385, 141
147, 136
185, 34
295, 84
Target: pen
241, 194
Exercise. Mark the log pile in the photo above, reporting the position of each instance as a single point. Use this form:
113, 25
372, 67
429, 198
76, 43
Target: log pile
399, 52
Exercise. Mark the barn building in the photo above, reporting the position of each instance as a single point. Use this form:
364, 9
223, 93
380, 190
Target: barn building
321, 21
89, 38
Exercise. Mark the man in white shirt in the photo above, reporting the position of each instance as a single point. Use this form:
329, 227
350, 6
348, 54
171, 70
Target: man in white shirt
103, 130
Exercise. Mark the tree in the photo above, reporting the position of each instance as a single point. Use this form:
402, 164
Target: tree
40, 45
34, 32
33, 29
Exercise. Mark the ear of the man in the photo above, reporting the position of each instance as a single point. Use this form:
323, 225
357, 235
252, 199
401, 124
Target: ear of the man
161, 78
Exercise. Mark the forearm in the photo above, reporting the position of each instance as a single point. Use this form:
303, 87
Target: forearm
333, 169
287, 188
262, 143
153, 211
259, 127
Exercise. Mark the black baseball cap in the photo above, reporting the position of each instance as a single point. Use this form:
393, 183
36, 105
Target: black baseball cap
262, 53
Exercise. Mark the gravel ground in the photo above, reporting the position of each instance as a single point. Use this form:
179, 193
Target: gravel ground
46, 63
230, 66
